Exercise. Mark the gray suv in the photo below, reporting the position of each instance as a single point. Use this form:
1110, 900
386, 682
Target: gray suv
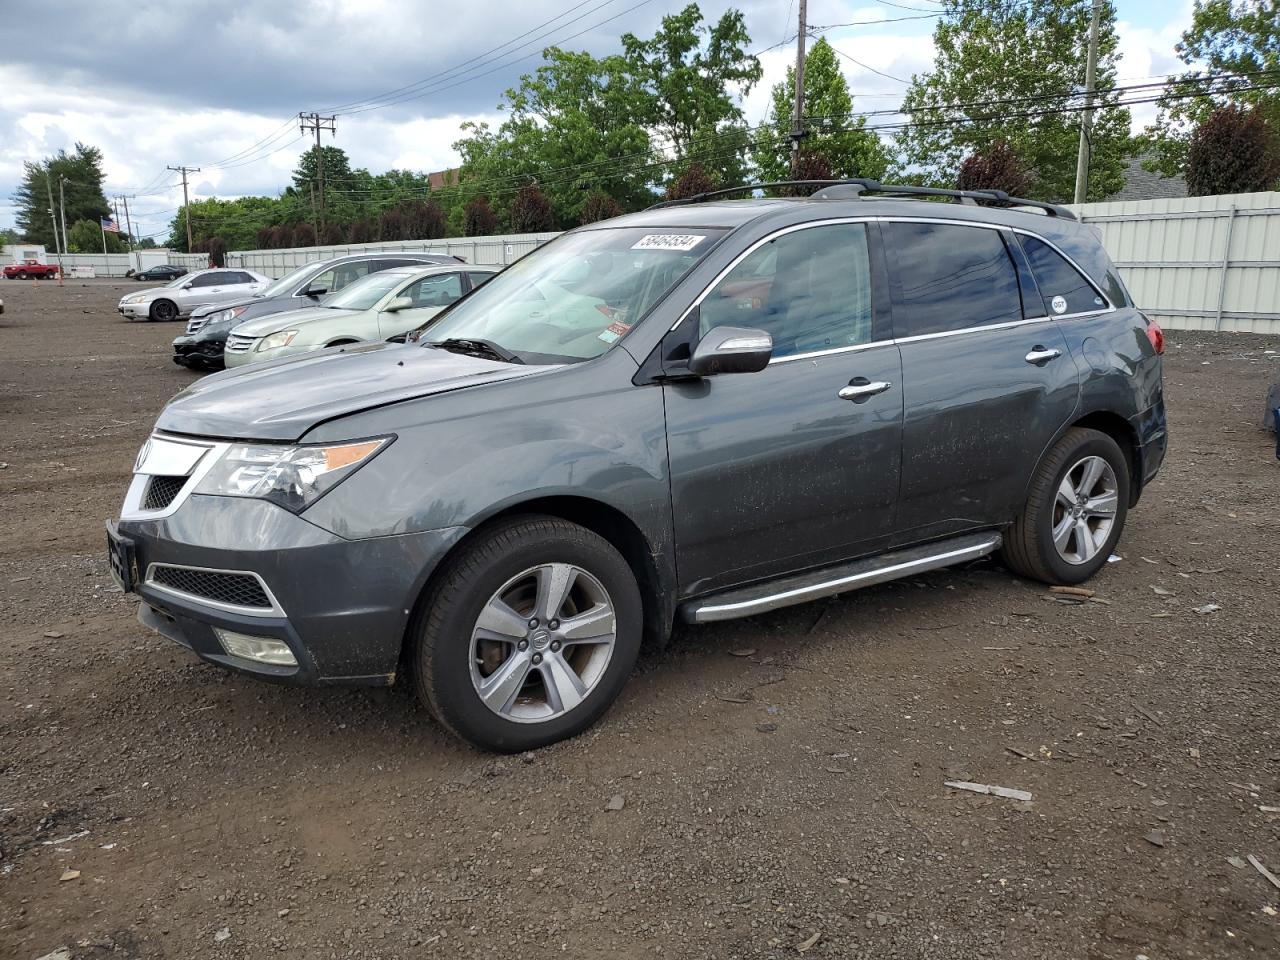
703, 411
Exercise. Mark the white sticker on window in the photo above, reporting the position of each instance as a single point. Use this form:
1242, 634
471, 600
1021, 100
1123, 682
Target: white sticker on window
1059, 304
669, 241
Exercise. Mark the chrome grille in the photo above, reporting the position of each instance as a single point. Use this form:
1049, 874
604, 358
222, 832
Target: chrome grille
161, 490
195, 323
220, 586
239, 344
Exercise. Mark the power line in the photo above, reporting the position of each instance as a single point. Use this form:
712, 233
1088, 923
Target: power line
887, 76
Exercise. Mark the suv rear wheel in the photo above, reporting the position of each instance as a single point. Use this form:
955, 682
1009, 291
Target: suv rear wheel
529, 636
1075, 511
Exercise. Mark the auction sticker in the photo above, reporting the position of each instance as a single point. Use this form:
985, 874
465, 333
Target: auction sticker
611, 333
669, 241
1059, 304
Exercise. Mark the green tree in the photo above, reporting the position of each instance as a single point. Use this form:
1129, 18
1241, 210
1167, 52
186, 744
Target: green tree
849, 148
1233, 151
692, 76
85, 236
82, 192
1231, 39
998, 52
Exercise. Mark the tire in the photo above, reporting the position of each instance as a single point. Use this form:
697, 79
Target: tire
454, 654
1083, 478
22, 274
163, 311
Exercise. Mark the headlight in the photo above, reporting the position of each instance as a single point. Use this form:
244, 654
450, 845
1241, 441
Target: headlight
223, 316
293, 477
281, 339
134, 298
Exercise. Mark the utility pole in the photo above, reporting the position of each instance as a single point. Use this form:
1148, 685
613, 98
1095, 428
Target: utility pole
186, 204
62, 215
797, 117
124, 201
1086, 118
314, 123
53, 218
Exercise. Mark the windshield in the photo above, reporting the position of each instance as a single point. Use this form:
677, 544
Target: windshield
286, 283
574, 298
364, 293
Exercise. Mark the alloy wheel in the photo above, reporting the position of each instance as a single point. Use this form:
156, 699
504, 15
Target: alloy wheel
1084, 510
542, 643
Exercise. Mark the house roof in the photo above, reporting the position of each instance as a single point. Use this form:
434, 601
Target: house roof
1141, 184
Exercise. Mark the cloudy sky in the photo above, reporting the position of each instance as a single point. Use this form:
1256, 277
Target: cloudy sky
219, 86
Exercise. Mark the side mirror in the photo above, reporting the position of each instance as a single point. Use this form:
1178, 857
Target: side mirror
731, 350
315, 291
399, 303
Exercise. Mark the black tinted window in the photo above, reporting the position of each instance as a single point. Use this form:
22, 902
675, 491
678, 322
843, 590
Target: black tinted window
810, 290
207, 280
1062, 287
479, 278
950, 278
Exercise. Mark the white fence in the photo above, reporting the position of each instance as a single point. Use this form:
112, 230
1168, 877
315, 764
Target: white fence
482, 251
117, 264
1200, 263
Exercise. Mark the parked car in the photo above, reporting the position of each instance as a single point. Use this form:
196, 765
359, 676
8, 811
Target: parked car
376, 307
164, 271
768, 402
31, 268
179, 297
200, 346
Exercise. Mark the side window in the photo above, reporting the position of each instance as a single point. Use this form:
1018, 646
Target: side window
378, 265
240, 277
337, 277
207, 280
1062, 287
478, 278
809, 289
437, 290
950, 278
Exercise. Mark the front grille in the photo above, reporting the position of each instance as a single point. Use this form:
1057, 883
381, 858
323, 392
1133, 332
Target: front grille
239, 344
195, 323
237, 589
161, 492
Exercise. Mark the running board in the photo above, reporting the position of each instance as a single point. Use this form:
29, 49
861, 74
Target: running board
802, 587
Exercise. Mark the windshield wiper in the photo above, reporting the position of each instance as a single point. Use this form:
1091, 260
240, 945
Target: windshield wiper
473, 346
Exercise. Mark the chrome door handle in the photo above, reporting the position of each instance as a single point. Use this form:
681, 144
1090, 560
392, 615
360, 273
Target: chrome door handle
864, 390
1039, 355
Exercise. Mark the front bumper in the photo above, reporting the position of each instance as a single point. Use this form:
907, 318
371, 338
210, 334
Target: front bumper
189, 349
341, 606
135, 311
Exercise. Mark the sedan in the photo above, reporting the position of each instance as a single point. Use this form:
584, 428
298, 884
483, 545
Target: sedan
165, 271
199, 289
377, 307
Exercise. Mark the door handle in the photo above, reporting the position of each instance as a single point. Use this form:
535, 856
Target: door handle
1040, 356
860, 389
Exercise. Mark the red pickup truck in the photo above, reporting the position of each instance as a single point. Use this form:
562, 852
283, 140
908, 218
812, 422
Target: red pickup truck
31, 268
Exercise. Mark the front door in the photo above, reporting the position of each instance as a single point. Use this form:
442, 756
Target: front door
796, 465
429, 296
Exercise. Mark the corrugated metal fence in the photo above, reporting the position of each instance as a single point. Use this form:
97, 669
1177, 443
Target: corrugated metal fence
482, 251
117, 264
1200, 263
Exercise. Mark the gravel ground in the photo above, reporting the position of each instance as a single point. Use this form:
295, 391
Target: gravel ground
781, 779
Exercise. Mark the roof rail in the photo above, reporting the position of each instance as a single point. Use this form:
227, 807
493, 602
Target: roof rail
855, 187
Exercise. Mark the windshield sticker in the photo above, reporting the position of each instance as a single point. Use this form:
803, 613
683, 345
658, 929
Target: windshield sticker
669, 241
1059, 304
613, 331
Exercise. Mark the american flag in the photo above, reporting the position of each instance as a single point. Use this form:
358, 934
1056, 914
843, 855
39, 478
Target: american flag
109, 225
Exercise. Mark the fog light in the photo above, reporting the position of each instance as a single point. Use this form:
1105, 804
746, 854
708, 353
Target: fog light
258, 649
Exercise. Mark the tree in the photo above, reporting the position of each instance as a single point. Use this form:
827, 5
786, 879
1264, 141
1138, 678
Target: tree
363, 230
994, 64
392, 225
82, 192
810, 166
599, 206
1233, 151
693, 181
531, 211
332, 235
692, 77
85, 236
849, 148
479, 219
304, 235
995, 168
217, 249
1233, 40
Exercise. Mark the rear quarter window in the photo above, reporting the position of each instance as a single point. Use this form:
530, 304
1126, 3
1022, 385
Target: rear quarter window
1063, 288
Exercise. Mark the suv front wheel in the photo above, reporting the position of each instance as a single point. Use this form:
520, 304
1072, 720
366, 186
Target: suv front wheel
529, 635
1075, 510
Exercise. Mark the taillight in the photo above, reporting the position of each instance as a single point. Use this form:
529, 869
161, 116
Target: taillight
1156, 336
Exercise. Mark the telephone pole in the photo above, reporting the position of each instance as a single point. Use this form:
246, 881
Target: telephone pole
124, 202
53, 217
186, 205
1086, 118
314, 123
797, 117
62, 215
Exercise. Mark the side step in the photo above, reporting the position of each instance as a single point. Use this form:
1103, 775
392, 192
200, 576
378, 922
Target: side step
802, 587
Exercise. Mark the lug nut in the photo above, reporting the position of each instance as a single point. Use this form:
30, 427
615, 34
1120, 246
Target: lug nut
554, 624
533, 624
522, 645
537, 659
555, 646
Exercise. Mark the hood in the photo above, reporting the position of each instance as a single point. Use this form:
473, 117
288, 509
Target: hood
283, 399
275, 321
215, 307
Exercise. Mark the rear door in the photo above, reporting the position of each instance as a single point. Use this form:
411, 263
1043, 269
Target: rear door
796, 465
986, 384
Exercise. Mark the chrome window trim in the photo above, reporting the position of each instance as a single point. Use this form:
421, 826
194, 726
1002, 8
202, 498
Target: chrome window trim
275, 610
1110, 308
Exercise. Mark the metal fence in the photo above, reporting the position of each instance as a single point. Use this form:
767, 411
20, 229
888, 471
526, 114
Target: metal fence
118, 264
482, 251
1199, 263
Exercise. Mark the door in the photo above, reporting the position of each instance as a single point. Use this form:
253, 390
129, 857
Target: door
200, 290
429, 296
796, 465
986, 384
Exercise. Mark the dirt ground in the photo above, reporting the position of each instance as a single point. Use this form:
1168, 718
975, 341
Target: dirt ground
782, 777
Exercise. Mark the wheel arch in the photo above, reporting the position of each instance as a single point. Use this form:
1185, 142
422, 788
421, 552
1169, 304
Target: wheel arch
1122, 432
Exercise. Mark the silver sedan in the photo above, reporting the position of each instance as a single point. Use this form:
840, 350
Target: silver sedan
200, 289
